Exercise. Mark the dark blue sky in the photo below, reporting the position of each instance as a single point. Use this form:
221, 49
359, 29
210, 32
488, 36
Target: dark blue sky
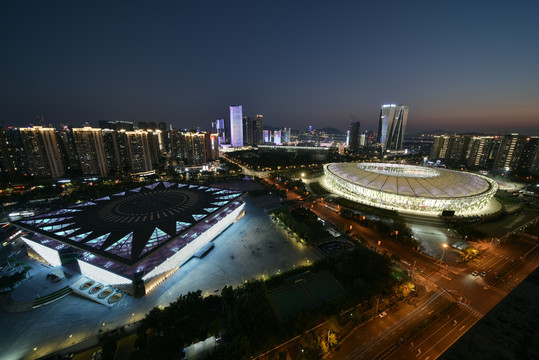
459, 65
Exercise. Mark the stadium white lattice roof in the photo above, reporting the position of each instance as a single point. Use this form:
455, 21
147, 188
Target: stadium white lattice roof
410, 180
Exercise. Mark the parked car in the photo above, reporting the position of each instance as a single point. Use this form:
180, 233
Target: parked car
475, 273
383, 314
484, 273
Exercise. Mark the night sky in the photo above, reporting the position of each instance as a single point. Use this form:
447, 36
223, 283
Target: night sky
459, 65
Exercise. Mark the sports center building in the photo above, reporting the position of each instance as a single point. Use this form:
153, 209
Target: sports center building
135, 239
410, 188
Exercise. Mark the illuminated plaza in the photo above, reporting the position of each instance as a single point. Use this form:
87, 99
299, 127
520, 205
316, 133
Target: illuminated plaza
412, 189
133, 240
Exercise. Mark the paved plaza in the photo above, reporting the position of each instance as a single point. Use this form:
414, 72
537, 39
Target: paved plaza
251, 248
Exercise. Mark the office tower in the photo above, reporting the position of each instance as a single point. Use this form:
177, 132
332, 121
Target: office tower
362, 140
277, 137
285, 135
252, 130
353, 141
42, 150
91, 151
258, 128
391, 126
267, 137
236, 126
247, 125
213, 145
509, 152
370, 138
218, 127
480, 151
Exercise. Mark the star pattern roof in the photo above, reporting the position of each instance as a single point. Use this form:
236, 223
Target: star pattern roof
128, 226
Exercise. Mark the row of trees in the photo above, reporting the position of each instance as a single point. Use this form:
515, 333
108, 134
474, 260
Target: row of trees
303, 222
245, 318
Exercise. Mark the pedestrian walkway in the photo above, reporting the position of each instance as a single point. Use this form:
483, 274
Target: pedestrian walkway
476, 314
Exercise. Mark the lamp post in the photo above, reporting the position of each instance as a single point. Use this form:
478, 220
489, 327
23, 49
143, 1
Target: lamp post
444, 246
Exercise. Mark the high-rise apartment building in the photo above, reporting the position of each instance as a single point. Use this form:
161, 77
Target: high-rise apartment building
91, 151
353, 136
8, 164
440, 147
236, 126
194, 148
116, 150
139, 151
530, 155
68, 151
480, 151
116, 125
42, 151
392, 126
459, 148
509, 152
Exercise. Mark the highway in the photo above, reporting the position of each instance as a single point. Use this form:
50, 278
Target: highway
504, 265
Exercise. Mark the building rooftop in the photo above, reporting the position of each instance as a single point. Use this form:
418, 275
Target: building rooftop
124, 229
414, 181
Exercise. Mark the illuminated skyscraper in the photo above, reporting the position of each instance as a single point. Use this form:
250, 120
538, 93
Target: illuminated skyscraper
236, 126
391, 126
218, 127
286, 135
277, 137
353, 140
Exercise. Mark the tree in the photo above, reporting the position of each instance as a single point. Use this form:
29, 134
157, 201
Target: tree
332, 338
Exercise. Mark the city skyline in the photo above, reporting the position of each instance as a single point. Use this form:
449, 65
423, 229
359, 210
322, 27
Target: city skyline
461, 67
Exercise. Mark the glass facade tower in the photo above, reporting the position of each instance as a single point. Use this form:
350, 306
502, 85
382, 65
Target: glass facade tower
391, 126
236, 126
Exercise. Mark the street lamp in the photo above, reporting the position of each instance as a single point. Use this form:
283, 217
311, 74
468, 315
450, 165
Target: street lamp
444, 246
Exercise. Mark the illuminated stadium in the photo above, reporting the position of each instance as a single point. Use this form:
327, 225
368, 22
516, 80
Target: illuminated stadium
410, 188
135, 239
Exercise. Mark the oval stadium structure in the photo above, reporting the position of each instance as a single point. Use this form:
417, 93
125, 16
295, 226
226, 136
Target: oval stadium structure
410, 188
